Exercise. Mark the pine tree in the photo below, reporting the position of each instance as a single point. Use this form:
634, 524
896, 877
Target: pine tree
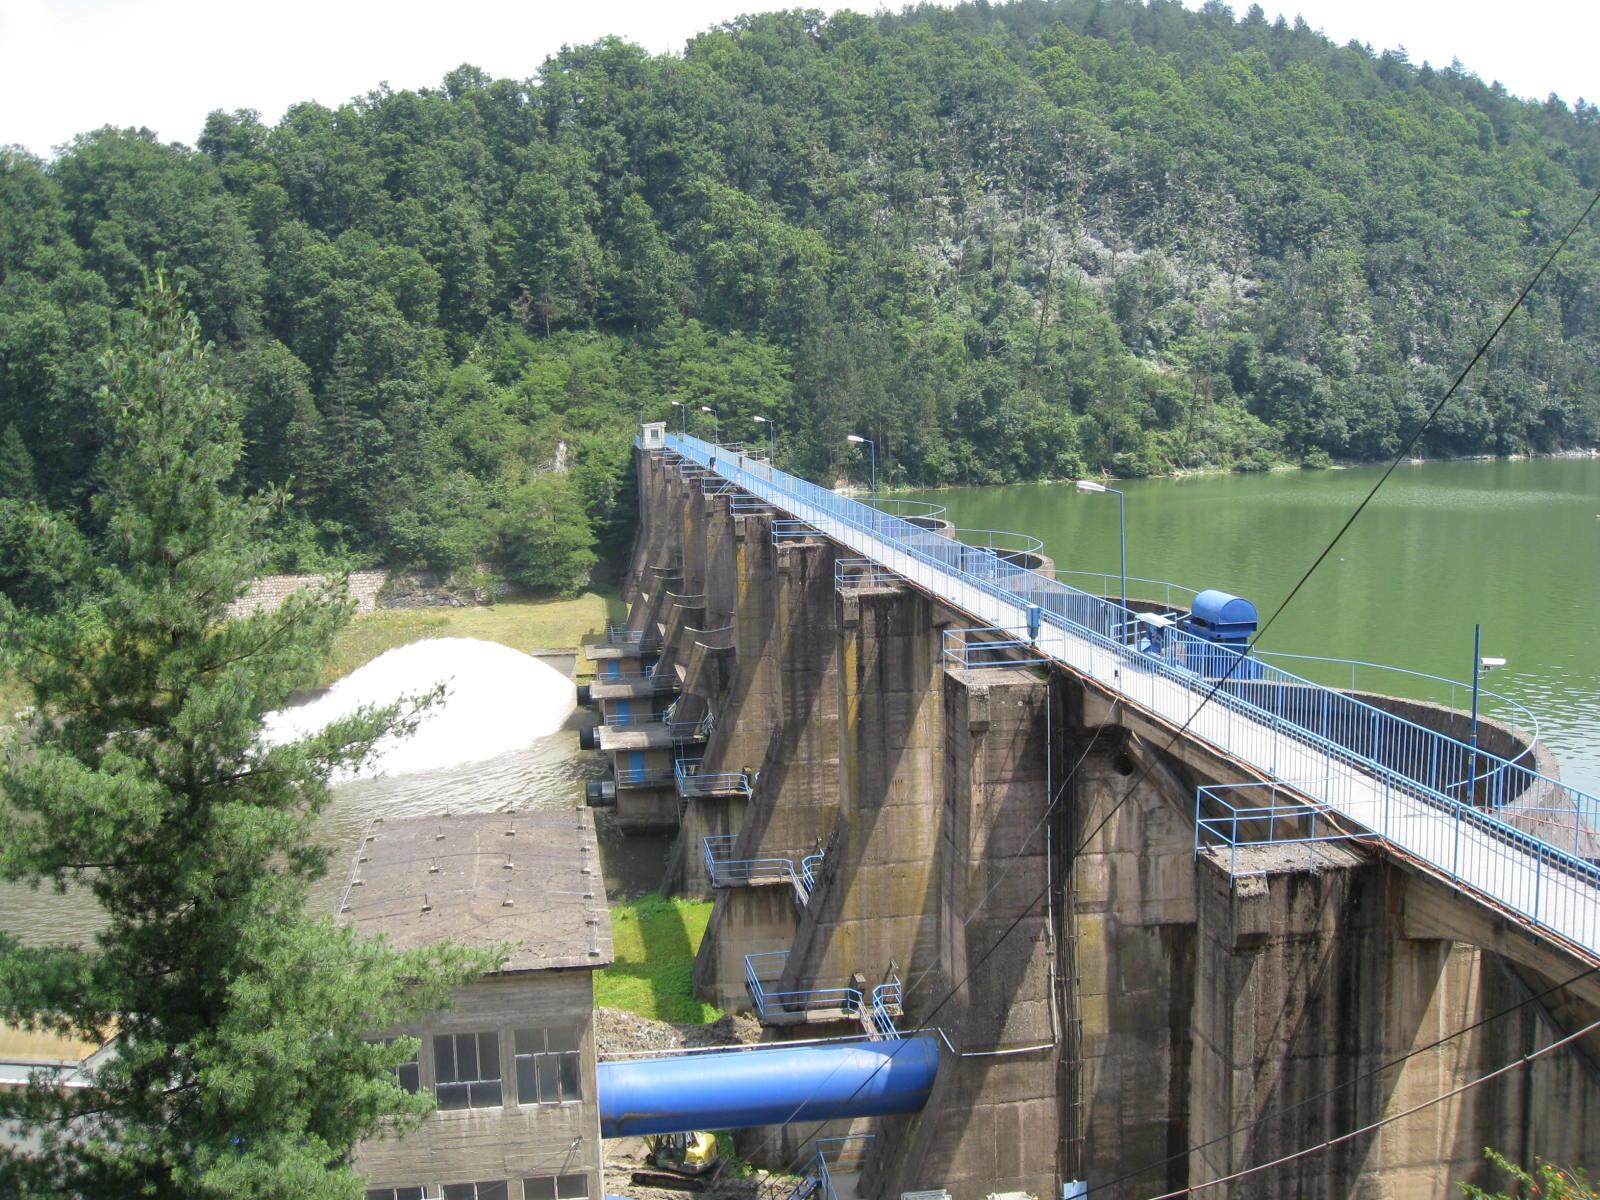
17, 478
240, 1065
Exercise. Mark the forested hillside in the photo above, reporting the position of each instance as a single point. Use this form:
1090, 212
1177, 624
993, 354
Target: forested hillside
1007, 241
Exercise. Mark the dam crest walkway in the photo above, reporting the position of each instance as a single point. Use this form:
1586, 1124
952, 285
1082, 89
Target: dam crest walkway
1399, 781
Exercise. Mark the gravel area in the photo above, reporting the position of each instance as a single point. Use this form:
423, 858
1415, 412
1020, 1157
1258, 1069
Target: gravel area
618, 1032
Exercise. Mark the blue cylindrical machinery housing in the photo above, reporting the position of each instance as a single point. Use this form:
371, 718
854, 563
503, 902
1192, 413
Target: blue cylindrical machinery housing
741, 1088
1222, 617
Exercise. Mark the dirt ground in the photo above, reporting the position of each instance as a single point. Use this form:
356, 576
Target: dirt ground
618, 1032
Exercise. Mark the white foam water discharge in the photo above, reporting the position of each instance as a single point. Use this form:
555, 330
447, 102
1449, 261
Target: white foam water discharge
496, 700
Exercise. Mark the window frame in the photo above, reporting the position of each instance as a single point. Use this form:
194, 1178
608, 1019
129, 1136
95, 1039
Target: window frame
562, 1062
477, 1193
470, 1089
555, 1185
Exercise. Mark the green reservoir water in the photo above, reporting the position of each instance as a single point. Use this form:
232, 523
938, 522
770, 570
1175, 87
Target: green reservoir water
1513, 545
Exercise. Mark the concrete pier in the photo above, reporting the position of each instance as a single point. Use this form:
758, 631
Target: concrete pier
1017, 845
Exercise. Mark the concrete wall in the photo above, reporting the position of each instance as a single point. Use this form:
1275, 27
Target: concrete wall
1150, 1004
877, 907
513, 1141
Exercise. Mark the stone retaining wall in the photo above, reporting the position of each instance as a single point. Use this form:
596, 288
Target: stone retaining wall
268, 593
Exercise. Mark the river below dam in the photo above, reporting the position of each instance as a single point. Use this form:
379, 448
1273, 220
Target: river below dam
1511, 545
547, 772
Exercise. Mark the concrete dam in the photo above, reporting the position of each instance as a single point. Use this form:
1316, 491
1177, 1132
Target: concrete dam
1170, 919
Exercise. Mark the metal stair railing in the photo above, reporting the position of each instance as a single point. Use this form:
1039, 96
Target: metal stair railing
693, 784
833, 1154
726, 871
763, 969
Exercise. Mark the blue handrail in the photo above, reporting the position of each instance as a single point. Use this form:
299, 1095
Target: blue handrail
809, 866
766, 968
1219, 821
694, 784
644, 776
1395, 775
817, 1183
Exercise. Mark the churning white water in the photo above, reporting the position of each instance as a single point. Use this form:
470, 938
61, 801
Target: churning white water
496, 700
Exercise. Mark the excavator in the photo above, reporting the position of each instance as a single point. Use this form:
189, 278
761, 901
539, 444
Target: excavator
681, 1160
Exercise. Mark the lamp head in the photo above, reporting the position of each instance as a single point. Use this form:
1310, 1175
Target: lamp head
1089, 485
853, 437
761, 420
707, 408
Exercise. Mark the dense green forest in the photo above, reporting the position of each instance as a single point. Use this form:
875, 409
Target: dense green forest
1007, 241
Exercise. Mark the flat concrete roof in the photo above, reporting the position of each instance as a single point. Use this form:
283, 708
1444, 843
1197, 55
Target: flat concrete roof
633, 689
530, 879
655, 736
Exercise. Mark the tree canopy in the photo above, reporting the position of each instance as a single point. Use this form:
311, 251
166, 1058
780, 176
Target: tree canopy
241, 1064
1007, 241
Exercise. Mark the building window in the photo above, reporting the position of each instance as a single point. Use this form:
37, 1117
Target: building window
556, 1187
466, 1073
547, 1066
406, 1074
398, 1193
496, 1190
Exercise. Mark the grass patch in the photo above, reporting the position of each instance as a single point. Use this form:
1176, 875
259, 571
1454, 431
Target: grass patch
520, 623
656, 940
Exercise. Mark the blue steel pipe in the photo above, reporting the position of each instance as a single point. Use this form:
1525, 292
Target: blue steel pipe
742, 1088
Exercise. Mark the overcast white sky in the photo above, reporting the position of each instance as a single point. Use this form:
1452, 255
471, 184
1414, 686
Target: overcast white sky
68, 66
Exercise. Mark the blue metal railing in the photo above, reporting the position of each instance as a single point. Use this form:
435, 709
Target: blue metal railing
886, 998
692, 731
1219, 821
1109, 583
862, 572
726, 871
637, 639
910, 510
666, 681
990, 647
630, 719
763, 970
876, 1010
641, 777
809, 866
1395, 776
694, 784
786, 529
843, 1154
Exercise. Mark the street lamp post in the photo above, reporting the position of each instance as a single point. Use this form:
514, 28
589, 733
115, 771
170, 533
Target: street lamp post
715, 435
1481, 666
872, 447
683, 415
771, 435
1089, 485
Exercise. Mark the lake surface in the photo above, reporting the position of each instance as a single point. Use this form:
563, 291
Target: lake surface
1513, 545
